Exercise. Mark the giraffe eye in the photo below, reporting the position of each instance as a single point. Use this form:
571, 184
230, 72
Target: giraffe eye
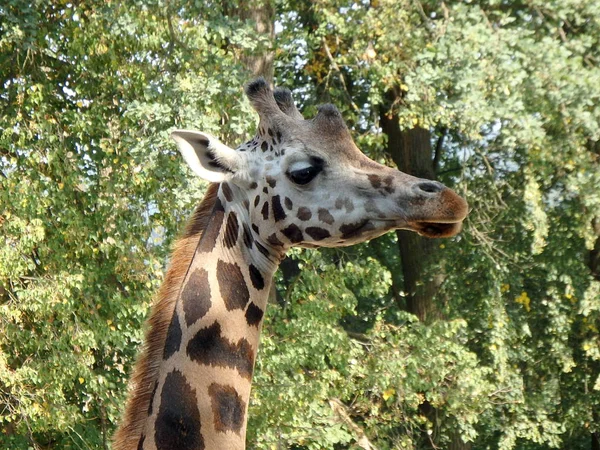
305, 175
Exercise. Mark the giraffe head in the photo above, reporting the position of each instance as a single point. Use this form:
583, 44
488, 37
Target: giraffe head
305, 183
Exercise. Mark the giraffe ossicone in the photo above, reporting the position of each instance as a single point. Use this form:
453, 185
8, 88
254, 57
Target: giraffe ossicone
296, 183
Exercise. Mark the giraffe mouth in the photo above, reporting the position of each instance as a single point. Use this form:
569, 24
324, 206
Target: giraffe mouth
423, 228
436, 229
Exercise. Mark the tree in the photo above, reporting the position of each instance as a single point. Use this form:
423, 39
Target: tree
496, 81
261, 15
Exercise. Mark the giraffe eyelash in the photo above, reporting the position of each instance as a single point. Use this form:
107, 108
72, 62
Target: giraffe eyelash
303, 172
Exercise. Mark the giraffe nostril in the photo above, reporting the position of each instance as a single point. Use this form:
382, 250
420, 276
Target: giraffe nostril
431, 187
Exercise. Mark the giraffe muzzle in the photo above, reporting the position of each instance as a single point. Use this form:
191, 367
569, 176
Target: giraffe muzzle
436, 211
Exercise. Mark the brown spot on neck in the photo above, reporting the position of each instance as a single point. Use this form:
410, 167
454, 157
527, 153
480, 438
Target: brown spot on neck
195, 297
232, 285
227, 191
178, 424
228, 408
213, 228
210, 347
231, 230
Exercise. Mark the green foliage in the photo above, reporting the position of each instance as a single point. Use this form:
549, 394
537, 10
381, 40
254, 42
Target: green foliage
92, 194
384, 374
516, 88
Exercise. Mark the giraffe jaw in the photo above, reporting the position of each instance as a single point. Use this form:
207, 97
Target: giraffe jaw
376, 227
436, 229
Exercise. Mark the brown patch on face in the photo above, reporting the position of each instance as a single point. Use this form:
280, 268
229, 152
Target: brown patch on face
173, 339
178, 423
348, 205
371, 207
325, 216
211, 348
293, 233
231, 230
278, 212
254, 315
304, 213
351, 230
228, 408
210, 235
375, 180
288, 203
318, 234
232, 285
271, 181
196, 296
227, 191
389, 184
441, 216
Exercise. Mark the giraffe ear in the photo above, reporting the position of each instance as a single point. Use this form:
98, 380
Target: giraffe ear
207, 156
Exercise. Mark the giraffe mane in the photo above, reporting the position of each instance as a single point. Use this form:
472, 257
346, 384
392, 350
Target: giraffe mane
146, 369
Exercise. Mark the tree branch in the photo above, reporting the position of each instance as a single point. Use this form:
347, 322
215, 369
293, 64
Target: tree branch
438, 150
342, 412
340, 75
423, 16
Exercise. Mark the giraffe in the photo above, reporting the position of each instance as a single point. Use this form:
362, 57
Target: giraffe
296, 183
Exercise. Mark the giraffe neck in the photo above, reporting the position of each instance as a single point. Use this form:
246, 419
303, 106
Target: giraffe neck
200, 396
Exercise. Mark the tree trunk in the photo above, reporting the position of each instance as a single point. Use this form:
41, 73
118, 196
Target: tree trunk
457, 443
262, 13
412, 152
